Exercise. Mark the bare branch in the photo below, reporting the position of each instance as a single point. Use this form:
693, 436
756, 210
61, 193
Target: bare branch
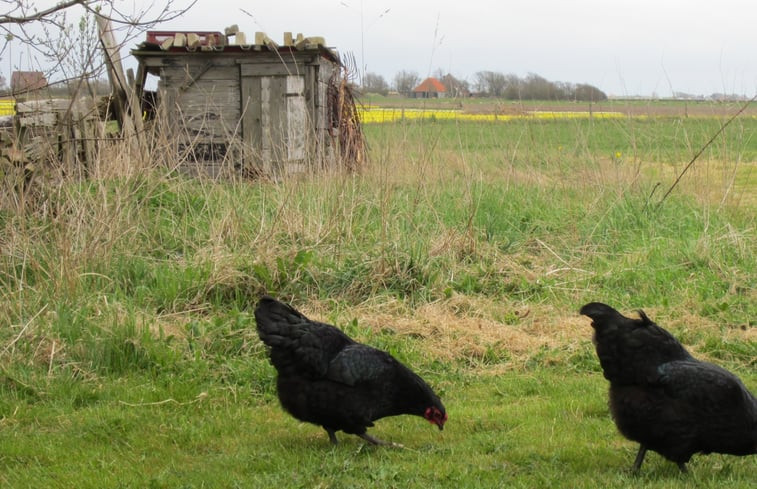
63, 49
43, 14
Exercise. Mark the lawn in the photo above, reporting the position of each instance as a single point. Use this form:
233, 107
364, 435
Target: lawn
129, 356
524, 429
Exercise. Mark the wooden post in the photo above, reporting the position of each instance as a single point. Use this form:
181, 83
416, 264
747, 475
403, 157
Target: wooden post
127, 104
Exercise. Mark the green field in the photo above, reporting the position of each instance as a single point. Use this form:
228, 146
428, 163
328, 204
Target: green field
128, 353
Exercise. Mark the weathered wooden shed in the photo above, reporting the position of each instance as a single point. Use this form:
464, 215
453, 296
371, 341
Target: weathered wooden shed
249, 108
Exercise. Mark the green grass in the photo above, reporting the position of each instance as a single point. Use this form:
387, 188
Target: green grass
129, 356
525, 429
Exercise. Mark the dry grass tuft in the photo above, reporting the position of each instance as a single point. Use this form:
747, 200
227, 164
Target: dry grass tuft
468, 328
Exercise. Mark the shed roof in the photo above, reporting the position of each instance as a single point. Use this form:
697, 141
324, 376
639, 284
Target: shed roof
430, 84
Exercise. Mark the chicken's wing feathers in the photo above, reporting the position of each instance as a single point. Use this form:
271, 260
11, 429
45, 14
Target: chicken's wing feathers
703, 384
357, 364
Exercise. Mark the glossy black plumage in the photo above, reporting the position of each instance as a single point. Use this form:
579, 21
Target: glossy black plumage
664, 398
326, 378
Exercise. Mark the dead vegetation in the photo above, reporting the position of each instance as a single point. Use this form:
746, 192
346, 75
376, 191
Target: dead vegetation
471, 329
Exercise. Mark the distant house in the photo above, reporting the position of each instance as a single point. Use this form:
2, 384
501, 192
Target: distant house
26, 81
430, 88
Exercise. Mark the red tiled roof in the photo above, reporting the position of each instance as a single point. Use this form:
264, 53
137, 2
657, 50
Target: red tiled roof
27, 80
430, 85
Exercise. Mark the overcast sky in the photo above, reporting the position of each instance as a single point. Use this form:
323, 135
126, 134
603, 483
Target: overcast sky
623, 47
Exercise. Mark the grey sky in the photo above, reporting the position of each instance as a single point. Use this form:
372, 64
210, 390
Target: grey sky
623, 47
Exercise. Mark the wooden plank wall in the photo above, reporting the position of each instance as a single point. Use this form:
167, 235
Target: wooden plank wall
297, 121
325, 133
276, 119
271, 114
206, 98
201, 102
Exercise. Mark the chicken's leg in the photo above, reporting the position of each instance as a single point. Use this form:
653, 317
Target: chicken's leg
332, 436
639, 459
376, 441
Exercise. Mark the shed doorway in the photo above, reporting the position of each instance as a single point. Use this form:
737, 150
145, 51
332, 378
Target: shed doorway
274, 121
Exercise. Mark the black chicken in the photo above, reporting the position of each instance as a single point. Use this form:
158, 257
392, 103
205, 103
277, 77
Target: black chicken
326, 378
665, 399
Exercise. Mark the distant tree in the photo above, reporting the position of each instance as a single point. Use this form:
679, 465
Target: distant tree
375, 83
405, 81
536, 87
454, 86
479, 83
533, 87
490, 83
588, 93
513, 87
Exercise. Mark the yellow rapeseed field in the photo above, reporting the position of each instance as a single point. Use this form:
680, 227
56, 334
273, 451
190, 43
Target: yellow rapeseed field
370, 115
7, 106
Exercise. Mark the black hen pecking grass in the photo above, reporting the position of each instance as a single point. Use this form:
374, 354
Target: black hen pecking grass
328, 379
665, 399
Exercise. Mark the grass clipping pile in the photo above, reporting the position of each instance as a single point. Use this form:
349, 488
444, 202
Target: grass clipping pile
476, 331
491, 337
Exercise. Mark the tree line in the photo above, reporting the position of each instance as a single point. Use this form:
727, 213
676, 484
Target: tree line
488, 84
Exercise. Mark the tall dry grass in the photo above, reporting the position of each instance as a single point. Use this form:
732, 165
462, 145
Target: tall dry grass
481, 238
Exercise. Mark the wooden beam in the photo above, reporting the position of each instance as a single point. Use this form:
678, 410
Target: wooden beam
193, 77
193, 41
262, 39
127, 103
180, 40
166, 45
310, 42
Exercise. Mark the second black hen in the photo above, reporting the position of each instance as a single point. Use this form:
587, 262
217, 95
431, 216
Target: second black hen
328, 379
664, 398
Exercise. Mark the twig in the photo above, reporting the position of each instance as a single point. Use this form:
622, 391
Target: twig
200, 397
544, 245
699, 153
52, 356
566, 269
18, 336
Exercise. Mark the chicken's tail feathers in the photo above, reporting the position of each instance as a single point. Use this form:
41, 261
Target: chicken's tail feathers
644, 318
600, 313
